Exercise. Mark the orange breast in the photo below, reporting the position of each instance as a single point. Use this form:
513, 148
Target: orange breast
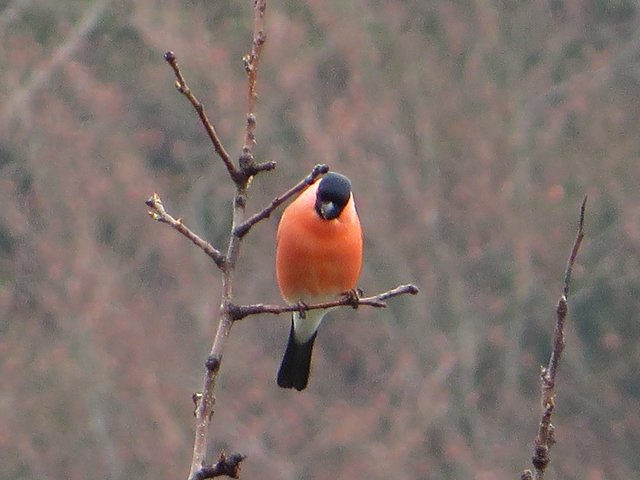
317, 259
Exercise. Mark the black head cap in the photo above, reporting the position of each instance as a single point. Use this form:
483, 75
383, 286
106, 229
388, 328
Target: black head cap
333, 195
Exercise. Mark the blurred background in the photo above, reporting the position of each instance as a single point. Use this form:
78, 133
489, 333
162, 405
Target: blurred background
471, 130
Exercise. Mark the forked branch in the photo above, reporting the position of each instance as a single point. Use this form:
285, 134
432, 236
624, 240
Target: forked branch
241, 174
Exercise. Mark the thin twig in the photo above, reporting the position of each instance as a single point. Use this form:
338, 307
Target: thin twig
545, 438
251, 63
549, 373
183, 88
159, 213
244, 228
576, 247
239, 312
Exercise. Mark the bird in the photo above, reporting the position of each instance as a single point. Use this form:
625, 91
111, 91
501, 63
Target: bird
319, 249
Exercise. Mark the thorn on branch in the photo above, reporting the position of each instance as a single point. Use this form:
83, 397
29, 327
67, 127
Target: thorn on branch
225, 466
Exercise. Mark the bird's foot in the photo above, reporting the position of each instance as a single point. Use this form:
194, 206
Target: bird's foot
352, 297
302, 309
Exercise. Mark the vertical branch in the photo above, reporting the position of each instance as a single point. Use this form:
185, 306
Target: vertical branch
545, 438
206, 400
251, 62
574, 251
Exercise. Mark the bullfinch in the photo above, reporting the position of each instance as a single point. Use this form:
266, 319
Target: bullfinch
318, 257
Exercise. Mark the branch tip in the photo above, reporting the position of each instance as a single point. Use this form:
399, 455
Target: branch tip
265, 166
183, 88
545, 437
319, 169
159, 214
576, 247
583, 207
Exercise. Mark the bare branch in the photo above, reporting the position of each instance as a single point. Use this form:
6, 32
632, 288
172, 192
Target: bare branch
244, 228
238, 312
251, 62
159, 213
183, 88
225, 466
229, 312
204, 408
561, 314
545, 438
576, 247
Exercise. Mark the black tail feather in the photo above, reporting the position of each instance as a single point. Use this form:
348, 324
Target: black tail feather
296, 363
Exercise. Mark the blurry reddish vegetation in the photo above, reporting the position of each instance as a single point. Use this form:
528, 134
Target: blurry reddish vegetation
471, 131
